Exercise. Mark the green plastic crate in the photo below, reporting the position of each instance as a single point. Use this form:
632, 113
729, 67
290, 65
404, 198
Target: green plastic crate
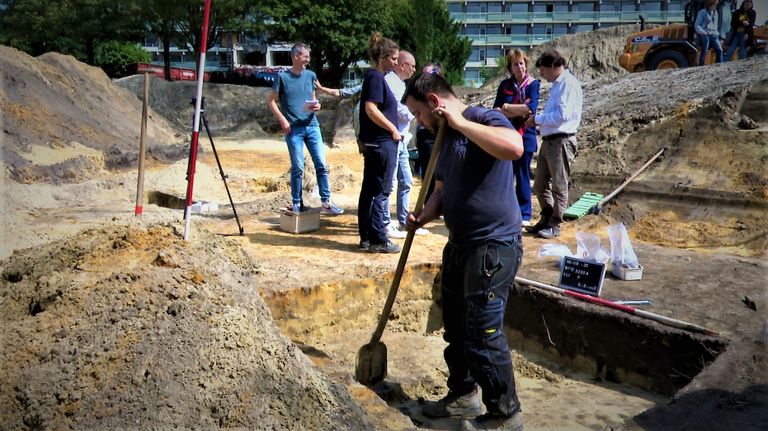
581, 207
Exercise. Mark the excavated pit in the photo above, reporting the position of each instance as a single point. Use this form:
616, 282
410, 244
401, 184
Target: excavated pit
562, 348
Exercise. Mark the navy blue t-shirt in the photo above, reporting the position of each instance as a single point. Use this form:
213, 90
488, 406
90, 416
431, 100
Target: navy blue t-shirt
375, 89
479, 201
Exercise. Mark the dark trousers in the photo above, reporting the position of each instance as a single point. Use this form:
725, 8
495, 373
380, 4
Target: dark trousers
379, 161
522, 169
476, 282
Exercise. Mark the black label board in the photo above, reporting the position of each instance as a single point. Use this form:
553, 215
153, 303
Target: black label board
582, 276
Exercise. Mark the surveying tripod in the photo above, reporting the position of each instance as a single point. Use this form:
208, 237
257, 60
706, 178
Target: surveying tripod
218, 162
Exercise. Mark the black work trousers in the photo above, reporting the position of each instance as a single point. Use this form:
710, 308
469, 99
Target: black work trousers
476, 281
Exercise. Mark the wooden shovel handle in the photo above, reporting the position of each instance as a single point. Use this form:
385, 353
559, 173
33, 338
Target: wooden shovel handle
409, 238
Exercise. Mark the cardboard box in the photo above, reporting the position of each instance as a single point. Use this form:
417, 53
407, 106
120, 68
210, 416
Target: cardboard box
305, 221
625, 273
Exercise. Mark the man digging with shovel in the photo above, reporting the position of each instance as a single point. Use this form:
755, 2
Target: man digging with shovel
475, 191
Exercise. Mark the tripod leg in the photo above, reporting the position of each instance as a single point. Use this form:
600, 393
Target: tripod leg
221, 172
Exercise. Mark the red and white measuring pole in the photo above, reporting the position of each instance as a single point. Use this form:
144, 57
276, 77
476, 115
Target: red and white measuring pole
196, 121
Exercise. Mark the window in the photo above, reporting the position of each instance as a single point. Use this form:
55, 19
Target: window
650, 6
583, 27
561, 7
475, 54
675, 5
472, 74
151, 40
493, 29
454, 7
493, 52
495, 7
476, 8
517, 7
584, 7
610, 6
627, 6
473, 29
518, 29
560, 29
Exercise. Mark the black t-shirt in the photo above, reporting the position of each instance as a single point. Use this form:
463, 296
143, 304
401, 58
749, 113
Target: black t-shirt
479, 201
375, 89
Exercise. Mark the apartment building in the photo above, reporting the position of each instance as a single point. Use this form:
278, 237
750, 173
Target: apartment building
496, 26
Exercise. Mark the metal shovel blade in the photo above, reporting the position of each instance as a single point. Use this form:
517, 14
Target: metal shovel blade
371, 365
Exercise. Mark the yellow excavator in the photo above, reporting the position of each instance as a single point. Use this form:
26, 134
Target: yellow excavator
673, 46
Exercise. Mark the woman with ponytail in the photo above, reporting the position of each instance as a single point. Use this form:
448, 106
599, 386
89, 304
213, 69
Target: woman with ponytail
380, 137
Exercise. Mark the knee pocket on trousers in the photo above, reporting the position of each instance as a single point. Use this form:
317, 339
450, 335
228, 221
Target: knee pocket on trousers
484, 317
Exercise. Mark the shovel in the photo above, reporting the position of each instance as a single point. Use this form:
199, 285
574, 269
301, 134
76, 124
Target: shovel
371, 364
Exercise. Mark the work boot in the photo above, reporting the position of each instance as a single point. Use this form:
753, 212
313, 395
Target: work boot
468, 405
387, 247
491, 421
549, 233
543, 223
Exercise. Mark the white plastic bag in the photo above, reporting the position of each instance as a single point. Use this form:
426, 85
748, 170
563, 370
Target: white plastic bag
588, 248
557, 250
621, 248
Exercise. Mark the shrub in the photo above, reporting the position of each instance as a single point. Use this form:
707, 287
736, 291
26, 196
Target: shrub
114, 57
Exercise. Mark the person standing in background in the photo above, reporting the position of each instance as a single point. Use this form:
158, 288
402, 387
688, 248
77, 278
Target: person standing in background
403, 177
380, 137
742, 31
706, 27
518, 98
559, 123
295, 89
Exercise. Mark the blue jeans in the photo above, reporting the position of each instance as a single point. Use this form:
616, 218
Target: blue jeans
311, 136
737, 41
522, 169
403, 178
476, 281
704, 44
379, 159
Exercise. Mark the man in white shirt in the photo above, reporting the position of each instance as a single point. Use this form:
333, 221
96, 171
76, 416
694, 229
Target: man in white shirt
558, 124
403, 178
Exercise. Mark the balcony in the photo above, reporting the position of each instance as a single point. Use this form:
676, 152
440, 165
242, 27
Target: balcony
566, 17
510, 39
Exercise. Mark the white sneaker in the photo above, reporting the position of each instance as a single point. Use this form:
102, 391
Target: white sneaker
526, 223
394, 232
419, 231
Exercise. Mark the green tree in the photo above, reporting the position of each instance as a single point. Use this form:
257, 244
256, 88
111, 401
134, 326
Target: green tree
72, 27
425, 28
225, 16
161, 18
337, 31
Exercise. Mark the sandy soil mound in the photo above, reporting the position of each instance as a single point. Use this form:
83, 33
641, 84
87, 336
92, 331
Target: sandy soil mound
175, 336
65, 121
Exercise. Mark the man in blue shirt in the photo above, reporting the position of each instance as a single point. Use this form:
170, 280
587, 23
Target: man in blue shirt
558, 124
474, 190
295, 88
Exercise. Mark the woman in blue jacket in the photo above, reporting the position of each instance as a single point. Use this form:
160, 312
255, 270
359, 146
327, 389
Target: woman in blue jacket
518, 98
